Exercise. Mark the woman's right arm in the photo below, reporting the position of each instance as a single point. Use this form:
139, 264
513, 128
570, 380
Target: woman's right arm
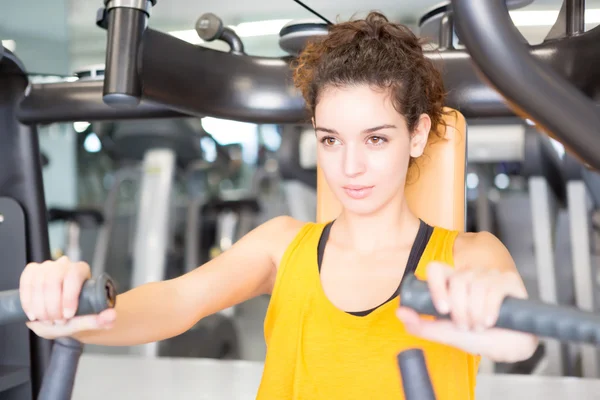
158, 310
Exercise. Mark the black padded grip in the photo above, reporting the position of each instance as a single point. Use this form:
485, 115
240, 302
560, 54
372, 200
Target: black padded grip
415, 377
530, 316
60, 376
96, 295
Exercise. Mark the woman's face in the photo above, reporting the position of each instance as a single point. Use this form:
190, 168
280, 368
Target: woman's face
364, 146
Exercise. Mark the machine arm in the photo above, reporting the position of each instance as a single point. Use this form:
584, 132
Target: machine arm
533, 89
178, 78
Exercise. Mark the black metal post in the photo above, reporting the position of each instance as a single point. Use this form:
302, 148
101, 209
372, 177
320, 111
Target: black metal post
21, 180
575, 17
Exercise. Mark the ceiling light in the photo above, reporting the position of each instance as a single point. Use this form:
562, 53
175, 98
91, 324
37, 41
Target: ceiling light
245, 29
80, 126
190, 36
548, 18
260, 28
92, 143
10, 45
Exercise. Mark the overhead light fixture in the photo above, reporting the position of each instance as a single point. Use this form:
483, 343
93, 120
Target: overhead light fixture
80, 126
190, 36
92, 143
227, 131
9, 45
260, 28
547, 18
520, 18
245, 29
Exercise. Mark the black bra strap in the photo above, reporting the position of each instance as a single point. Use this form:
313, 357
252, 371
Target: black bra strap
322, 243
416, 252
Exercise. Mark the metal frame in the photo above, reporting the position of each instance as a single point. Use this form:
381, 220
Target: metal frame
21, 181
101, 248
544, 212
584, 272
489, 144
151, 235
489, 36
238, 88
171, 84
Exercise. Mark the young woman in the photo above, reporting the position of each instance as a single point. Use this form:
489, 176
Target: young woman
334, 324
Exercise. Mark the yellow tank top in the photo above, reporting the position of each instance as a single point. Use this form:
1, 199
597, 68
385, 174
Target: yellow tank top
315, 351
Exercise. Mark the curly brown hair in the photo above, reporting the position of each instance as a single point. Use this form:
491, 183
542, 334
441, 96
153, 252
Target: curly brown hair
377, 52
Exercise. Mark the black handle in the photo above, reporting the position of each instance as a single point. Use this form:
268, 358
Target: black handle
60, 376
415, 377
125, 26
96, 295
530, 316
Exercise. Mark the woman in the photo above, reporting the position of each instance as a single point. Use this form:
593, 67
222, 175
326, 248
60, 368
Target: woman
334, 325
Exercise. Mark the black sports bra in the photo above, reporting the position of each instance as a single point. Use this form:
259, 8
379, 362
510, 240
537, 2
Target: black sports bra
418, 247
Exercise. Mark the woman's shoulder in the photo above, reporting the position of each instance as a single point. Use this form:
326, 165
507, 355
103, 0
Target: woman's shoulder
282, 228
477, 247
280, 232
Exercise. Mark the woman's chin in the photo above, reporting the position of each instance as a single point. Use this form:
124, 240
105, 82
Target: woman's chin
360, 207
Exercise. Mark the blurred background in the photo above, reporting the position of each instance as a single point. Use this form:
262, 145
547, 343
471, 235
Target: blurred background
235, 175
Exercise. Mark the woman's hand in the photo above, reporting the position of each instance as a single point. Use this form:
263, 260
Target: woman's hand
472, 296
49, 293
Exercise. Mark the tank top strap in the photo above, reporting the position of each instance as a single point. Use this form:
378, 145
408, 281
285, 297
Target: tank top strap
440, 248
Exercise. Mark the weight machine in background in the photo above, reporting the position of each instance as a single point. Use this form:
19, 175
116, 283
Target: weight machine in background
140, 74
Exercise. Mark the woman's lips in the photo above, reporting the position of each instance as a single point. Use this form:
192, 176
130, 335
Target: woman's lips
358, 192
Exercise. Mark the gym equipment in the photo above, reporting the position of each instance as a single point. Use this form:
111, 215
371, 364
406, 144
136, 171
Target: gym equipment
582, 191
210, 27
295, 34
489, 35
415, 379
437, 23
547, 111
160, 146
171, 86
298, 175
538, 318
524, 315
540, 165
75, 220
96, 296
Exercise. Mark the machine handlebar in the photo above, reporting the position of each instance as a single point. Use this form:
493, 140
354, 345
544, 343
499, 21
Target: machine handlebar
530, 316
96, 296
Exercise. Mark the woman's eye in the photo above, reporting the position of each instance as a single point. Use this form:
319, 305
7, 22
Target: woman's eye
329, 141
376, 140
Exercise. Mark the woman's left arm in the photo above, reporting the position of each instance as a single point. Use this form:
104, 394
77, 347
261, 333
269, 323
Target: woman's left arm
472, 291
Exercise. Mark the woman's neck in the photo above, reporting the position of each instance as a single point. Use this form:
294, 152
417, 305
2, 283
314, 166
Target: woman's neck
388, 228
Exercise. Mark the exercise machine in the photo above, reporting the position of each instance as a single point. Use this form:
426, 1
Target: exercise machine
152, 152
550, 86
298, 169
583, 188
539, 318
75, 220
527, 223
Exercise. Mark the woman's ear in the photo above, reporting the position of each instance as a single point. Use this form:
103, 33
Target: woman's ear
420, 134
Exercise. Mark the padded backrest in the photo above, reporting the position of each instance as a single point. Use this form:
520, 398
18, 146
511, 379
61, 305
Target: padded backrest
435, 189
